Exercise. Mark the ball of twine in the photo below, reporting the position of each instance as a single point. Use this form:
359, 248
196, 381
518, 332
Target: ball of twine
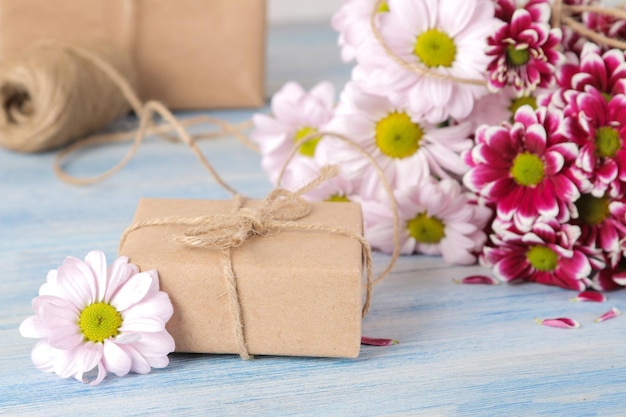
52, 96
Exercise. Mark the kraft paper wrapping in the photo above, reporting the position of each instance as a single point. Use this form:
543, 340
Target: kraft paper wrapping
300, 292
189, 53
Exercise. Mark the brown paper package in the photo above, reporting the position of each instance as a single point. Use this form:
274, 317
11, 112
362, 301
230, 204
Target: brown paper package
300, 292
189, 54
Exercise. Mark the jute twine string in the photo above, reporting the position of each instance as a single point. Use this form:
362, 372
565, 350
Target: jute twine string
278, 212
562, 15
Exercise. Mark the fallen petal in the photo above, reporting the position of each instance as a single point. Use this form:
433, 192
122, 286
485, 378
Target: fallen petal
478, 279
611, 314
560, 322
378, 342
592, 296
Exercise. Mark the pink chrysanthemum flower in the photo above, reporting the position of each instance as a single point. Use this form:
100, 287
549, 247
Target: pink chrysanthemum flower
436, 218
407, 148
89, 317
525, 51
598, 127
603, 224
524, 168
546, 254
352, 21
606, 72
447, 37
297, 114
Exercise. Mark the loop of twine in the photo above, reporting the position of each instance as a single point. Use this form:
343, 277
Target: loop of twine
562, 15
278, 212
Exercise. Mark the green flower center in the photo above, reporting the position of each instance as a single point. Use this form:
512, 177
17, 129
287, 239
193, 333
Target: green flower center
307, 148
99, 321
435, 48
522, 101
338, 198
517, 57
426, 229
593, 210
528, 169
384, 7
607, 142
607, 96
397, 136
542, 258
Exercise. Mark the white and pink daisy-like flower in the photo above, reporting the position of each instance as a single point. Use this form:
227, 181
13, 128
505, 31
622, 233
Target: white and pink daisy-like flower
525, 168
598, 127
352, 21
447, 38
525, 51
498, 107
436, 218
296, 115
408, 149
546, 254
92, 318
605, 72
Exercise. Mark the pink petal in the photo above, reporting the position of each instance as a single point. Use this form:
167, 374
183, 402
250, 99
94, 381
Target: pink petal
98, 264
561, 322
370, 341
593, 296
611, 314
478, 279
132, 291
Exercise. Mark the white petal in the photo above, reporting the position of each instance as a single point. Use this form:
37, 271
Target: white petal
118, 273
142, 324
132, 291
76, 282
88, 356
116, 359
155, 344
98, 264
43, 356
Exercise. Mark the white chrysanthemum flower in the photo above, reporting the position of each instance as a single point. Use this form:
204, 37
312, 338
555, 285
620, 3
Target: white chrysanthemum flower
296, 114
436, 218
89, 317
407, 148
447, 37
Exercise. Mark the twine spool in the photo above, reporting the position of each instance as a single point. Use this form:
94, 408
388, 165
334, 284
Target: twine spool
52, 96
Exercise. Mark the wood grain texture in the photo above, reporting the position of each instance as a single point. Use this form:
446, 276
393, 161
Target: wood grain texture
464, 350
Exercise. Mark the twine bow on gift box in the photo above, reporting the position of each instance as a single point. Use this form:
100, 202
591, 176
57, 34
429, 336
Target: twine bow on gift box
278, 212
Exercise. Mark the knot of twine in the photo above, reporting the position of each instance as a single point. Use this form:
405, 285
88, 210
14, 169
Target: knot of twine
278, 212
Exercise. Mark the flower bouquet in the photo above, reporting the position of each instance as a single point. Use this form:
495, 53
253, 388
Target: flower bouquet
500, 125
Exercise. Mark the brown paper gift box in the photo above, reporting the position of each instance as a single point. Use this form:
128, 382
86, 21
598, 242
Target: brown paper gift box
188, 53
300, 292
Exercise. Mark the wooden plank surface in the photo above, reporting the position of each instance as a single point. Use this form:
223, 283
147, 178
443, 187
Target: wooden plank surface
464, 350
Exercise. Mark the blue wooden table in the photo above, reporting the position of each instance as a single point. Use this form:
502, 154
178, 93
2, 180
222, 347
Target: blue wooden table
464, 350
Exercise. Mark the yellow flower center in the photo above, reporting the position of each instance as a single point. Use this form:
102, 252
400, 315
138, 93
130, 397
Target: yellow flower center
517, 57
593, 210
384, 7
435, 48
426, 229
527, 169
338, 198
542, 258
99, 321
607, 142
307, 148
522, 101
397, 136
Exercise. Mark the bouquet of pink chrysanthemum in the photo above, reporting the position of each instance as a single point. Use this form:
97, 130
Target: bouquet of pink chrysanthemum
500, 127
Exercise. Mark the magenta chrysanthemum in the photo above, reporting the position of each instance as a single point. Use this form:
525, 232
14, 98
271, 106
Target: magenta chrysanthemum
89, 317
606, 72
525, 51
524, 168
546, 254
436, 218
598, 127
